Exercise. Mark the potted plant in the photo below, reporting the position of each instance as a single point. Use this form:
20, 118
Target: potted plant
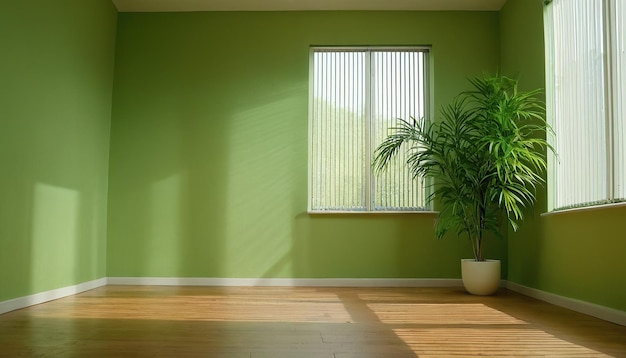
484, 159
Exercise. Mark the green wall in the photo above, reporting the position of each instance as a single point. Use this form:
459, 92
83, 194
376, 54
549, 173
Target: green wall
56, 73
576, 254
208, 174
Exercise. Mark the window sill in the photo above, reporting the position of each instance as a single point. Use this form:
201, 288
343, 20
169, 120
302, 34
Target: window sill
338, 212
585, 208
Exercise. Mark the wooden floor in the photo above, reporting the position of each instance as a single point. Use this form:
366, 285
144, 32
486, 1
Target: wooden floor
152, 321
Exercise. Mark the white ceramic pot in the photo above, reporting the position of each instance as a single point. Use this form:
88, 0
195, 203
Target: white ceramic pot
480, 277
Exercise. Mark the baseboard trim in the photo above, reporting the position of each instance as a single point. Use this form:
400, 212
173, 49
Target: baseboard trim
41, 297
591, 309
285, 282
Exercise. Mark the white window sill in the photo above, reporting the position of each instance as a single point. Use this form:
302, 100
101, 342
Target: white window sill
585, 208
370, 212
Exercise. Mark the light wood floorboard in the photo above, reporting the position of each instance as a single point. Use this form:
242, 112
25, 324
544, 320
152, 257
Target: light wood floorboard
303, 322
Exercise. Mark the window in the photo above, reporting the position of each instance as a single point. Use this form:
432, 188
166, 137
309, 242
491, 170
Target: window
586, 88
356, 96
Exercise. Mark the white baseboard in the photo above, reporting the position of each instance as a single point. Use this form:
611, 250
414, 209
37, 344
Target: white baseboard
591, 309
286, 282
35, 299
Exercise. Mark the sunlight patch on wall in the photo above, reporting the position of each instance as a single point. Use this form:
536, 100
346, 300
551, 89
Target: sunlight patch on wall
54, 241
163, 246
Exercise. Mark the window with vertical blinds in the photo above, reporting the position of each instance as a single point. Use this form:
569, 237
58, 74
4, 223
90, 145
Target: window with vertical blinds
586, 86
356, 96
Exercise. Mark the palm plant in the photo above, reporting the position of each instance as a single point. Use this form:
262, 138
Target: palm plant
484, 157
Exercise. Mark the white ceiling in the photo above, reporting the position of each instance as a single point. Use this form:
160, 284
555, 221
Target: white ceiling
304, 5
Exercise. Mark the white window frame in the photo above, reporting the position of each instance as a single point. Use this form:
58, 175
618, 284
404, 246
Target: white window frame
370, 177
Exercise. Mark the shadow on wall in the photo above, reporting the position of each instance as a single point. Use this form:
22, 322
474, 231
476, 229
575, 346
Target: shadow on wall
206, 189
264, 179
165, 218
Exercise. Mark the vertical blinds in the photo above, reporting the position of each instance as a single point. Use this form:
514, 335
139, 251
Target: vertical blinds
357, 95
585, 103
397, 92
578, 109
337, 132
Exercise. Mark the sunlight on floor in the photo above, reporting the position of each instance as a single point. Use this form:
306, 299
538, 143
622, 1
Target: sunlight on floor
323, 308
449, 341
420, 313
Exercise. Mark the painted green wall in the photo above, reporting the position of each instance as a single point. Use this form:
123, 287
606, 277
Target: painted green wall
56, 72
208, 171
577, 254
